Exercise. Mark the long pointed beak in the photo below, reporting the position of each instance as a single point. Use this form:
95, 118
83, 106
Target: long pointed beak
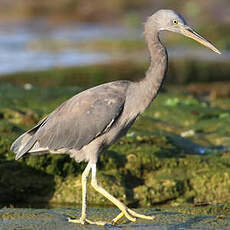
189, 32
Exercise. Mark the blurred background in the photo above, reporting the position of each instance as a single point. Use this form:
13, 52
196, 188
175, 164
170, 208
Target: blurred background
36, 35
177, 153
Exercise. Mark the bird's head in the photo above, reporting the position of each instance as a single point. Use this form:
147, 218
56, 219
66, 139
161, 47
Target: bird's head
169, 20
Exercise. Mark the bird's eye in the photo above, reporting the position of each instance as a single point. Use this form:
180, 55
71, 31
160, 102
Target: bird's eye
175, 21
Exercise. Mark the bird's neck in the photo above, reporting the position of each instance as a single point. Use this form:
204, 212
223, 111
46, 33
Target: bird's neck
149, 86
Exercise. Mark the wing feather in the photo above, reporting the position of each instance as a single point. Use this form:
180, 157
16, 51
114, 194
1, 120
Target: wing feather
82, 118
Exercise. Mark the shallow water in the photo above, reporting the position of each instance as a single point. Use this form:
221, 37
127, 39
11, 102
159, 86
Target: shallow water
45, 219
18, 54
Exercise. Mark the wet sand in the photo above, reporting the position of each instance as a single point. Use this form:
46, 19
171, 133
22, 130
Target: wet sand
45, 219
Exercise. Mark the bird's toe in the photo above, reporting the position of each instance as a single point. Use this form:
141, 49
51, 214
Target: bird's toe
87, 221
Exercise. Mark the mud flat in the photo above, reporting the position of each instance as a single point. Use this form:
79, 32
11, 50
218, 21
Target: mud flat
205, 218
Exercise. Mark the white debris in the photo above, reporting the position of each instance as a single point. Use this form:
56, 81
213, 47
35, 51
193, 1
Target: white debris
130, 134
28, 86
188, 133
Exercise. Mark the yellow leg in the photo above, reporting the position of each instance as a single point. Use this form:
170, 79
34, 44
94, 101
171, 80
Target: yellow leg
133, 213
125, 211
117, 218
83, 219
120, 205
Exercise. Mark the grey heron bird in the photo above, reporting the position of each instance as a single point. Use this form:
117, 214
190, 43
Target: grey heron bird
88, 123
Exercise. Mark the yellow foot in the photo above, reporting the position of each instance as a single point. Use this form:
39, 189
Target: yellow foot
86, 221
131, 215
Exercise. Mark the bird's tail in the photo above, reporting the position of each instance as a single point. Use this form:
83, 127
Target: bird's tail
23, 144
26, 141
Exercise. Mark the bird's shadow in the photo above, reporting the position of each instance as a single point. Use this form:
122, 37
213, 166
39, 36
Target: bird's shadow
24, 186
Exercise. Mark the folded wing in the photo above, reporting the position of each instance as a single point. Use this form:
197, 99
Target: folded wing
77, 121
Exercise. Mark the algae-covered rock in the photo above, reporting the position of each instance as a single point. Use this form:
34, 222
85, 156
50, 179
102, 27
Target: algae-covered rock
221, 210
158, 191
69, 190
177, 152
211, 186
18, 117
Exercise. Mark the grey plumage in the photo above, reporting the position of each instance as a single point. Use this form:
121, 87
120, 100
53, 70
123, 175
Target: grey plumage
26, 141
91, 121
86, 116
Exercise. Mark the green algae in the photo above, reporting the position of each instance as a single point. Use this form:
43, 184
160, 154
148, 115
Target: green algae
179, 71
82, 76
177, 152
